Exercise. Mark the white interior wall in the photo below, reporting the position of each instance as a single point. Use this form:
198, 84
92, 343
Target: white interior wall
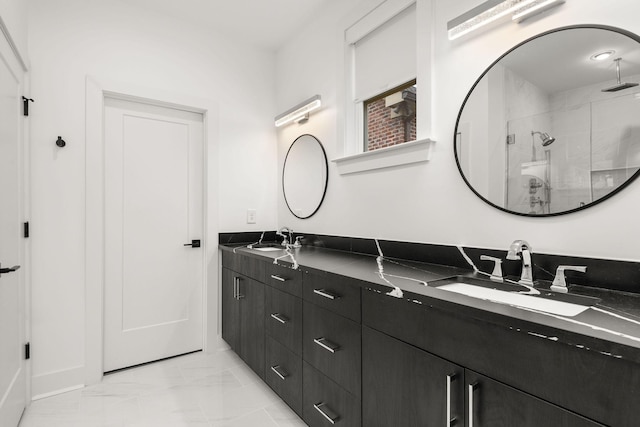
429, 202
113, 41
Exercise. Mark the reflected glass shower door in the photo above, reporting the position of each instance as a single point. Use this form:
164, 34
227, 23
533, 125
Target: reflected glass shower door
544, 180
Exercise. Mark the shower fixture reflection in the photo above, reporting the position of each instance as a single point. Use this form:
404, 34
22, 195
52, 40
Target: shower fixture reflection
544, 137
619, 85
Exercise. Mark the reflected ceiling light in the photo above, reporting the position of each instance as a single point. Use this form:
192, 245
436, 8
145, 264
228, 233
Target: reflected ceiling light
482, 15
299, 112
601, 56
534, 8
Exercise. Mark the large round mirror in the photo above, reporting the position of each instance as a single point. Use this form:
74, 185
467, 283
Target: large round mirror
305, 176
553, 126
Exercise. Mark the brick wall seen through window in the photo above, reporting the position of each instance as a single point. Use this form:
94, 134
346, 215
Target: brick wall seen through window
390, 118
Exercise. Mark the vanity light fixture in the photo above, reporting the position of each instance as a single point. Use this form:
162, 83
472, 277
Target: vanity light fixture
300, 112
535, 8
492, 10
487, 12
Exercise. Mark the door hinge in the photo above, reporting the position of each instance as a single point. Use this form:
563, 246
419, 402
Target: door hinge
25, 105
26, 230
27, 351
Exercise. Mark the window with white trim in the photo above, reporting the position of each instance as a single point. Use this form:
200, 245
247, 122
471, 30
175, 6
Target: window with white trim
381, 74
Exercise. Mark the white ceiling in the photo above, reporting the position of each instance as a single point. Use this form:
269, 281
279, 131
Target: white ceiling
265, 23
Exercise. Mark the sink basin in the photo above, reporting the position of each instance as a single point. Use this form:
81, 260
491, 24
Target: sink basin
267, 249
548, 302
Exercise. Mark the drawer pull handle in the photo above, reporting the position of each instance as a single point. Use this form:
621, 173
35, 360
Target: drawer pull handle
326, 294
326, 412
471, 389
326, 344
449, 420
280, 318
278, 278
279, 372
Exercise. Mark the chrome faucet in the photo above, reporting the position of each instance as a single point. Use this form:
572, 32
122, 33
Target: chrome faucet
520, 249
287, 238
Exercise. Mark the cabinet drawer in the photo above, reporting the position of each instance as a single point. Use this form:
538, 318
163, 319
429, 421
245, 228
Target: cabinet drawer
332, 344
333, 292
284, 318
325, 403
285, 279
284, 374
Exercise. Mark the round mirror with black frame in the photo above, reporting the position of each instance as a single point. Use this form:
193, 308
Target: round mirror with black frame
305, 176
553, 125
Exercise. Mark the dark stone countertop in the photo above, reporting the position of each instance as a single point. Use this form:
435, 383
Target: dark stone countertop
611, 327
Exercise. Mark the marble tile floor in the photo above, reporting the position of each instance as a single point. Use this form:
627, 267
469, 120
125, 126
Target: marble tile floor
196, 390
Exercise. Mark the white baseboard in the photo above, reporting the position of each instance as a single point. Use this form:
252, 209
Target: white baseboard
52, 383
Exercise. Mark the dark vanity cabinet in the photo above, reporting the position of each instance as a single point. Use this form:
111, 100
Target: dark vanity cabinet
340, 351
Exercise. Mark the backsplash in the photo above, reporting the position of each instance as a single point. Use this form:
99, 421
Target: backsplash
623, 276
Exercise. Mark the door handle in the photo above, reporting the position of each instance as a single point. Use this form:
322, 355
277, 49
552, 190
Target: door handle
8, 270
193, 244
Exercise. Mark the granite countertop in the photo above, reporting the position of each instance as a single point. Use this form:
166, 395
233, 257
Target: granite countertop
611, 327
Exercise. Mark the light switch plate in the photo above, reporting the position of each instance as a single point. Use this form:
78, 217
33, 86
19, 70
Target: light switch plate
251, 216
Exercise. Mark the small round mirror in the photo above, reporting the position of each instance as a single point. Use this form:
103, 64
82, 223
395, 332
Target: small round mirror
553, 126
305, 176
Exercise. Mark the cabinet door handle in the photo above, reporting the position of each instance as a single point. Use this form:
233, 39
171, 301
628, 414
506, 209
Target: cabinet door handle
279, 372
326, 294
239, 295
326, 344
235, 288
331, 416
471, 389
280, 318
450, 420
278, 278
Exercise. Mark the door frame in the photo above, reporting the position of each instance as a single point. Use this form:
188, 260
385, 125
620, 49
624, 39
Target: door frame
96, 92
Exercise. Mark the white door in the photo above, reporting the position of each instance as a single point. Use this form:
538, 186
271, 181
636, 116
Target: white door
153, 207
12, 306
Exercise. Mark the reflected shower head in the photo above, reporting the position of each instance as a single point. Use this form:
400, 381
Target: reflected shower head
544, 137
619, 86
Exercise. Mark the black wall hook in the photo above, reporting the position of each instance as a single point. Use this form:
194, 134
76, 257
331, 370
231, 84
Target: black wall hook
60, 142
25, 106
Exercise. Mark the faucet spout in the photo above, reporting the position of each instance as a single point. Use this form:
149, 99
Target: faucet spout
521, 249
287, 238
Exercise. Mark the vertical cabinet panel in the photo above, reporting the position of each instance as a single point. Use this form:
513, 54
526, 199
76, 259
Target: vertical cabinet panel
243, 318
405, 386
230, 310
251, 298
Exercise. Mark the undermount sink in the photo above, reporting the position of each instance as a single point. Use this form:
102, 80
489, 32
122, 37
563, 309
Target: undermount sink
267, 249
548, 302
